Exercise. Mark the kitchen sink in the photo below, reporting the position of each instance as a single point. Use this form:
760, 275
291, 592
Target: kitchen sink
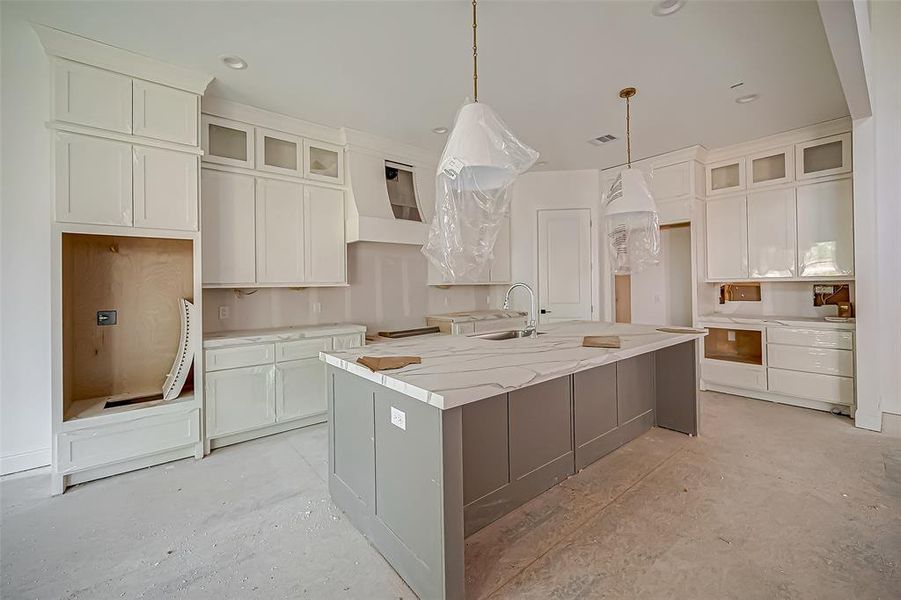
502, 335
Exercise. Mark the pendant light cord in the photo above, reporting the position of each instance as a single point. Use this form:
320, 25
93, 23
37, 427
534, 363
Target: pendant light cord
628, 133
475, 56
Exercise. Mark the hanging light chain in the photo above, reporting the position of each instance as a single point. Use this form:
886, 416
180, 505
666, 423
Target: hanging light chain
475, 56
627, 93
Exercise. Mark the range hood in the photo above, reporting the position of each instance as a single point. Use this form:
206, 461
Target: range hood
388, 191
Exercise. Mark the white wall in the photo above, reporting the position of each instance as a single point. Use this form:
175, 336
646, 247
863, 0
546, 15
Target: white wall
25, 243
552, 189
387, 291
661, 295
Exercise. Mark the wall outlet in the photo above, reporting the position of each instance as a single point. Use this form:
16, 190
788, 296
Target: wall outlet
317, 307
106, 317
224, 312
730, 336
399, 418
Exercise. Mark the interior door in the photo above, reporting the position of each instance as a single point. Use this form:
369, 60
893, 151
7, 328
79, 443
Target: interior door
564, 264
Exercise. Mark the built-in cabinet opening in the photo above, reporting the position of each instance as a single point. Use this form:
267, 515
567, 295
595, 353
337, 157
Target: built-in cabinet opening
734, 345
122, 319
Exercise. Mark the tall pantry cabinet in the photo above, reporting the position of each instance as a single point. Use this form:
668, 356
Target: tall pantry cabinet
125, 253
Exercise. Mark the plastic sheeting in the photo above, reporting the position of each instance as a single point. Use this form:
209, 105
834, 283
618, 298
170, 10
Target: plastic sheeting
480, 162
633, 230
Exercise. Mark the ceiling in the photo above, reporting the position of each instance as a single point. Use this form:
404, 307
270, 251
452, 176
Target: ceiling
551, 69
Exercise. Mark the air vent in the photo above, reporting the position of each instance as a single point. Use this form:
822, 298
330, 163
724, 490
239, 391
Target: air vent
602, 139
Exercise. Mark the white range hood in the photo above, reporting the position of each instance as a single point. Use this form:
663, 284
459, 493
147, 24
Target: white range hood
370, 217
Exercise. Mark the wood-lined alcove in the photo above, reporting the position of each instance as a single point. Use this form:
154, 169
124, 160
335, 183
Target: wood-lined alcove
140, 278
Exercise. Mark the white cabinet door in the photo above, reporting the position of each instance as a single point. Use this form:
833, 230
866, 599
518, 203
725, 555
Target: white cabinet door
826, 156
727, 239
725, 176
164, 113
228, 228
279, 231
346, 342
324, 235
279, 152
226, 142
239, 399
500, 271
826, 229
323, 162
93, 181
772, 243
671, 181
165, 189
771, 167
90, 96
300, 389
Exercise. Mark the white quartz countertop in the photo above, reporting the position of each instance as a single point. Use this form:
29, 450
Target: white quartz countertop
477, 315
458, 369
776, 320
278, 334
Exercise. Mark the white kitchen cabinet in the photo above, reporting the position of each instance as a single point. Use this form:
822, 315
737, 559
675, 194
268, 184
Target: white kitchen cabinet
500, 269
346, 342
826, 229
239, 399
93, 180
279, 231
300, 389
813, 386
90, 96
227, 142
771, 167
727, 239
671, 181
305, 348
825, 361
324, 235
165, 189
229, 246
164, 113
772, 244
726, 176
323, 162
279, 152
822, 157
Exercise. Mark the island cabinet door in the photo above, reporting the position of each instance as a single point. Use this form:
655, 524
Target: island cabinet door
594, 406
635, 394
541, 449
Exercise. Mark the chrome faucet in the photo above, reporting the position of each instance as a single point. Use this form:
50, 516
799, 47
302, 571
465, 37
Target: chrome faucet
532, 325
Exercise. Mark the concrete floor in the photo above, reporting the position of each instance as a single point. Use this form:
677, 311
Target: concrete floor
770, 502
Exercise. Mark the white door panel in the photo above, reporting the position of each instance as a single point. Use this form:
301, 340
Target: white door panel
228, 228
564, 264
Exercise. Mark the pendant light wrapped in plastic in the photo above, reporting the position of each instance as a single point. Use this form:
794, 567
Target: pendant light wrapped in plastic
480, 162
633, 231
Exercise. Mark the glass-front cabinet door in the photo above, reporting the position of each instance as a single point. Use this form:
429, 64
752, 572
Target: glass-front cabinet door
771, 167
726, 176
826, 156
227, 142
279, 152
323, 162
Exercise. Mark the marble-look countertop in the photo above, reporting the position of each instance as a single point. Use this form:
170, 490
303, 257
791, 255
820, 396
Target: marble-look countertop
278, 334
477, 315
776, 320
459, 369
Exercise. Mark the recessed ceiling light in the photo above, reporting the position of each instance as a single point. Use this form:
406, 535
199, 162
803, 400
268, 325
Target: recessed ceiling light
440, 130
664, 8
234, 62
747, 98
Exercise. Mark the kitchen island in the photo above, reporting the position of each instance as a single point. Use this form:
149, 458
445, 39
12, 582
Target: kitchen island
422, 456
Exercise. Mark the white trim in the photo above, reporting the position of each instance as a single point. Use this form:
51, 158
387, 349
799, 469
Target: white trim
135, 140
24, 461
211, 166
84, 50
389, 149
777, 398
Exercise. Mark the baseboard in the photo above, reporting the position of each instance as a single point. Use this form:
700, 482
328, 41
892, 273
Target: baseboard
780, 399
24, 461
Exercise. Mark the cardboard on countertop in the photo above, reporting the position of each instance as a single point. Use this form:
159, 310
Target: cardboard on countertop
386, 363
601, 341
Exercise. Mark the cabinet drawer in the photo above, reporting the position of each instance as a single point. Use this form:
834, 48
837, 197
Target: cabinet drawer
301, 349
814, 338
812, 360
239, 356
827, 388
740, 376
117, 442
345, 342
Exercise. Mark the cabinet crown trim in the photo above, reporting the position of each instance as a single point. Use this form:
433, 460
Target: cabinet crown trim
85, 50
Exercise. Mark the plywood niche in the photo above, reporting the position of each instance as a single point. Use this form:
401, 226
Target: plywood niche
140, 278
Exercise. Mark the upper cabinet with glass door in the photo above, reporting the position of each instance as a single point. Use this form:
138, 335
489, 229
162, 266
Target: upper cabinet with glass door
279, 152
826, 156
323, 162
227, 142
726, 176
771, 167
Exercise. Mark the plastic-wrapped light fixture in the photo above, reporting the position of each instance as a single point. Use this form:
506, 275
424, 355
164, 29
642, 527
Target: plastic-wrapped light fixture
633, 230
481, 160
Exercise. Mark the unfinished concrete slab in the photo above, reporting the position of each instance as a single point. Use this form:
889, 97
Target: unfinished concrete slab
771, 501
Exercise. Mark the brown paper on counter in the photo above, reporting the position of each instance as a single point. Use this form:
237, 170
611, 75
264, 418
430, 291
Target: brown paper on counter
386, 363
601, 341
681, 330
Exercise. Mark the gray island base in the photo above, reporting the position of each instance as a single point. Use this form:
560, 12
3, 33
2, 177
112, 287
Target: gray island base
419, 458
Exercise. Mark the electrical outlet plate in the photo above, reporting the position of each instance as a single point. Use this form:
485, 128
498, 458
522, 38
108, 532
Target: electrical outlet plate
106, 317
224, 312
399, 418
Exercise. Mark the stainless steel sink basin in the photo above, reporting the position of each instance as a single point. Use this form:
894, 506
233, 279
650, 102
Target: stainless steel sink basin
502, 335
